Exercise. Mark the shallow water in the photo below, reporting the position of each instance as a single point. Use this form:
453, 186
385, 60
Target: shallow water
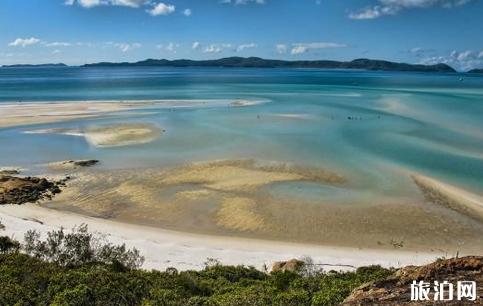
372, 127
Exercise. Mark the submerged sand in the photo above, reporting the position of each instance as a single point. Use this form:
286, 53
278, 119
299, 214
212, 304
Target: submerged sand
115, 135
233, 197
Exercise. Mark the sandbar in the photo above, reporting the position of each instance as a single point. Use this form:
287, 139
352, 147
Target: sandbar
121, 134
455, 198
29, 113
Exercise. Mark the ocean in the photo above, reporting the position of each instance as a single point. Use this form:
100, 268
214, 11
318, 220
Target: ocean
375, 128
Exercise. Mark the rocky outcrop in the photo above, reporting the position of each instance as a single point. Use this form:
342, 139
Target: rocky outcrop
396, 289
292, 265
72, 164
20, 190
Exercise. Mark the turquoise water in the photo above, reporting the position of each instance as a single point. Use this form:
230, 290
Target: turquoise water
399, 122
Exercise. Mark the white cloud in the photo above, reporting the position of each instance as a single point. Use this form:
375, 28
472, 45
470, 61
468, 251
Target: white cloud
242, 47
300, 48
94, 3
161, 9
171, 47
460, 60
281, 48
216, 48
196, 45
125, 47
187, 12
56, 51
392, 7
57, 44
154, 8
212, 49
242, 2
23, 42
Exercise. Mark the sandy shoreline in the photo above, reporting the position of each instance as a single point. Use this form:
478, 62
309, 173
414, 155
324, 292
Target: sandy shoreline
164, 248
235, 198
237, 230
450, 196
30, 113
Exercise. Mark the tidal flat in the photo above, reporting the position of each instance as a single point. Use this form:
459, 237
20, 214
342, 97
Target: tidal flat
369, 160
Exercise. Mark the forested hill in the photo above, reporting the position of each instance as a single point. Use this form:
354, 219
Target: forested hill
256, 62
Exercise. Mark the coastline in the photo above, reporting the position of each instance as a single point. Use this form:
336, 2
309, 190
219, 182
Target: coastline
165, 248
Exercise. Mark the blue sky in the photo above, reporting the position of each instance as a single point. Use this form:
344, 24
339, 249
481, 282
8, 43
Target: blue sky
82, 31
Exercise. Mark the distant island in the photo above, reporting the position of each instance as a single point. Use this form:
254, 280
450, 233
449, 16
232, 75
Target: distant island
34, 66
476, 70
256, 62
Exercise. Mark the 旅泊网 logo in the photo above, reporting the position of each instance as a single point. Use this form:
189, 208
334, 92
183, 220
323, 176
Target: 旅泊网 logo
443, 291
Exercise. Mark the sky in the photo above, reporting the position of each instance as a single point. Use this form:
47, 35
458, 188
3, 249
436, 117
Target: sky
85, 31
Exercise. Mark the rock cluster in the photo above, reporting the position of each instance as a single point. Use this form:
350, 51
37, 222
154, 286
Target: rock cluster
20, 190
82, 163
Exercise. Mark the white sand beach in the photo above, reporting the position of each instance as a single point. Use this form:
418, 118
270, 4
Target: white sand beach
163, 248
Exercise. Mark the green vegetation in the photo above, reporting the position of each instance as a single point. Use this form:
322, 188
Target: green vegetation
78, 269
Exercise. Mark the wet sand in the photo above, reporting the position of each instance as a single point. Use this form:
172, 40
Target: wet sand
232, 198
164, 248
449, 196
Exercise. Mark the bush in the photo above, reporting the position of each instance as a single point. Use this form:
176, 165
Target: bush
79, 269
78, 296
8, 245
78, 248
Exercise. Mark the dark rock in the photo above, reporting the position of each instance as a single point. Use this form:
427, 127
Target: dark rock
20, 190
86, 163
9, 172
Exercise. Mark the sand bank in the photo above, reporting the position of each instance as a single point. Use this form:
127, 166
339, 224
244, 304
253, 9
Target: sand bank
116, 135
450, 196
163, 248
121, 134
26, 113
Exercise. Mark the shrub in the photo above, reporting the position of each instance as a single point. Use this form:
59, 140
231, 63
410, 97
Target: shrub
78, 296
8, 245
292, 298
78, 248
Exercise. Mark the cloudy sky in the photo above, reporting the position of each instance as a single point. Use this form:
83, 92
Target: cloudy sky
82, 31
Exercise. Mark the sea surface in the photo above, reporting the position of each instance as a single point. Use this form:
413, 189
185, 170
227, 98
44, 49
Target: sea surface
375, 128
